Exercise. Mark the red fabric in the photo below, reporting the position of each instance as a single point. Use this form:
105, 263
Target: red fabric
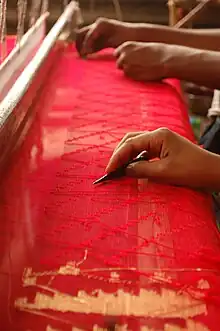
10, 42
51, 213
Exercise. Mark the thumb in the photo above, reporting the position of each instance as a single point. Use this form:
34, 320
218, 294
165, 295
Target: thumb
146, 169
93, 41
80, 36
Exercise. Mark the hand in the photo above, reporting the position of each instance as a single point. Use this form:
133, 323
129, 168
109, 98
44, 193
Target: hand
102, 34
174, 159
143, 61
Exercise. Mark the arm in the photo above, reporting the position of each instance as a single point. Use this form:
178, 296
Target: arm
179, 162
110, 33
204, 39
207, 174
156, 61
200, 67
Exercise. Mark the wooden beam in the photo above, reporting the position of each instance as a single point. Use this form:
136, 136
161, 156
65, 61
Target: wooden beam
193, 14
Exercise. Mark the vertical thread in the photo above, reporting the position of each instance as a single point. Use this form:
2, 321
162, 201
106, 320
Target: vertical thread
21, 8
3, 11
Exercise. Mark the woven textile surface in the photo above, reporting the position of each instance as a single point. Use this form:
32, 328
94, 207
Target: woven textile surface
130, 253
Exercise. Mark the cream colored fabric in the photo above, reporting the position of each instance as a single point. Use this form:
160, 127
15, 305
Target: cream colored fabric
215, 107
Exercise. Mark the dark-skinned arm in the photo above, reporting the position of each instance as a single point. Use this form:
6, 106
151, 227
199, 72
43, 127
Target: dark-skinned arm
179, 161
197, 38
111, 33
200, 67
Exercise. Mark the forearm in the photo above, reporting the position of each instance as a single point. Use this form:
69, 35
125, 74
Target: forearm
204, 39
200, 67
209, 172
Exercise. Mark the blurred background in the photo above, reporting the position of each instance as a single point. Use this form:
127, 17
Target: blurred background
154, 11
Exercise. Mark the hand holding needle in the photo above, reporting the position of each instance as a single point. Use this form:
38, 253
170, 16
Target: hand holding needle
121, 172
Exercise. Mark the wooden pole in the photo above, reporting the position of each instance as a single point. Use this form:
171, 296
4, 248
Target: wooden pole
192, 14
173, 19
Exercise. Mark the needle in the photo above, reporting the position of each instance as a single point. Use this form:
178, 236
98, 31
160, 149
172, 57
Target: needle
121, 172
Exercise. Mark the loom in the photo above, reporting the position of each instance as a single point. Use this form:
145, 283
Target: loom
128, 255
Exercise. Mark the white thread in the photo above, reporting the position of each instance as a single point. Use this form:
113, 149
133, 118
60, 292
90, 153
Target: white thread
3, 9
215, 107
65, 3
45, 6
118, 11
21, 8
34, 13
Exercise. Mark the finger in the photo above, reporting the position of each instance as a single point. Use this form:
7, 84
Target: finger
123, 48
147, 169
127, 69
126, 137
91, 39
117, 53
121, 61
150, 141
80, 36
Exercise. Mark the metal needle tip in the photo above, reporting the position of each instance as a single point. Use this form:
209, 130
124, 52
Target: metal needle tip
100, 180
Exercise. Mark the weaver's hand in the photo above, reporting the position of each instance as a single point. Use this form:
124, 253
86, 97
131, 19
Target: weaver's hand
102, 34
143, 61
174, 159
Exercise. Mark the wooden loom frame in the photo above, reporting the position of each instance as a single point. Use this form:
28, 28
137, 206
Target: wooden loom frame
19, 73
173, 16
